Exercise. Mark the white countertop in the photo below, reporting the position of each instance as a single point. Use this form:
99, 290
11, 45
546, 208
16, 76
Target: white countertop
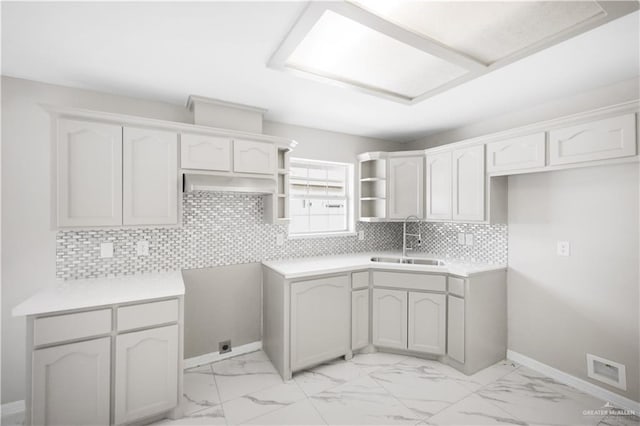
307, 266
89, 293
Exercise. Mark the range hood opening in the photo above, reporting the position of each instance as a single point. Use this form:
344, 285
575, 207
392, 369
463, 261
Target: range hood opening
203, 182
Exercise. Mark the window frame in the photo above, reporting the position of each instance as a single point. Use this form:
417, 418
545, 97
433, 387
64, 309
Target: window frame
349, 187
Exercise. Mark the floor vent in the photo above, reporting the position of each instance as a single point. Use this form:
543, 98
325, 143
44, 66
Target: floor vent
607, 371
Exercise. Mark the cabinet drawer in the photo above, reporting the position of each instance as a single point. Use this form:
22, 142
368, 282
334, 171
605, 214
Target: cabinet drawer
147, 314
609, 138
360, 279
409, 281
205, 152
456, 286
518, 153
70, 327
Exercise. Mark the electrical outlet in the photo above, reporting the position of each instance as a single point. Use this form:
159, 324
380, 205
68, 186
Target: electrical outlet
279, 239
106, 250
142, 248
361, 235
224, 346
564, 248
461, 238
468, 239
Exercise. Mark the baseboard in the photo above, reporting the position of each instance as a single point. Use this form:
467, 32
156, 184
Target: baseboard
217, 356
580, 384
11, 408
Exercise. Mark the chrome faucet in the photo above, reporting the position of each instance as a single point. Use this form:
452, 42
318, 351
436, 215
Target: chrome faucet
405, 235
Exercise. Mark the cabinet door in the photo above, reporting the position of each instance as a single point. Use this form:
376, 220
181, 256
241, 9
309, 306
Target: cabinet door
359, 319
427, 322
71, 384
89, 167
438, 182
610, 138
519, 153
319, 320
150, 177
390, 318
455, 328
406, 176
254, 157
468, 183
146, 377
205, 152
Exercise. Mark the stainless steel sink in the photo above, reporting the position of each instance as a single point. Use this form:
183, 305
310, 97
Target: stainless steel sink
408, 260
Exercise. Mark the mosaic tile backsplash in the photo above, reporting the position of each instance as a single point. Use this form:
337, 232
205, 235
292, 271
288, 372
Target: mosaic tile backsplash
229, 228
218, 228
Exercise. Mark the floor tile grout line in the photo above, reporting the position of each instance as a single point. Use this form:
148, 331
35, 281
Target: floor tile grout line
215, 382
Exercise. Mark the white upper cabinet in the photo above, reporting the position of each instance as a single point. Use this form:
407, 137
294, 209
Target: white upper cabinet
438, 182
468, 183
205, 152
406, 176
150, 175
71, 384
519, 153
89, 169
427, 322
597, 140
146, 373
390, 318
254, 157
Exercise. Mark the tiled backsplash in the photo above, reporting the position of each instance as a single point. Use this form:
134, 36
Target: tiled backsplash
441, 239
229, 228
217, 229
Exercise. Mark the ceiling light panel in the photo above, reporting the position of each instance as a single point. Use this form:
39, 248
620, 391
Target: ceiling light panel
348, 52
487, 31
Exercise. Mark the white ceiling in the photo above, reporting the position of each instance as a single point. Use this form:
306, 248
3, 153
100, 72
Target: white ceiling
167, 51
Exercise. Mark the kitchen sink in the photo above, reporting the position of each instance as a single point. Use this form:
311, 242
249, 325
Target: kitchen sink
408, 260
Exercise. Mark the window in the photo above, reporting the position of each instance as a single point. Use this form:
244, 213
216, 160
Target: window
320, 197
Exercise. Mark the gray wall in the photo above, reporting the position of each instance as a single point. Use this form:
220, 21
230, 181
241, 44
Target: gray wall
28, 239
561, 308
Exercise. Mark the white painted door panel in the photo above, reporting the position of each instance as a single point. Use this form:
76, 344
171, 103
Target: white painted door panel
205, 152
319, 320
89, 168
406, 176
390, 318
610, 138
519, 153
468, 183
71, 384
455, 328
254, 157
146, 373
438, 183
427, 322
359, 319
150, 177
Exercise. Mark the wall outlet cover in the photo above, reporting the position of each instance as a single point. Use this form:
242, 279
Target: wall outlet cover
106, 250
468, 239
142, 248
280, 239
361, 235
461, 238
564, 248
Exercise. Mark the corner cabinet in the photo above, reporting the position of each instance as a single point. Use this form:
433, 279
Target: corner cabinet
150, 177
89, 173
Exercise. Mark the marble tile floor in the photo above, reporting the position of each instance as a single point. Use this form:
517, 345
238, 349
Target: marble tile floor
379, 389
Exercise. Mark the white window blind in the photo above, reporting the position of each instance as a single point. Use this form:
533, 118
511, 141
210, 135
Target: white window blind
320, 194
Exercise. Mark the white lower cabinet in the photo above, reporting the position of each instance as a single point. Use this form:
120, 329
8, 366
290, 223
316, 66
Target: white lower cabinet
71, 384
145, 373
359, 318
427, 322
455, 328
390, 318
319, 320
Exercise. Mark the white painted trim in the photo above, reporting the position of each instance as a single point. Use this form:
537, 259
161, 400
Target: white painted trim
575, 382
11, 408
216, 356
